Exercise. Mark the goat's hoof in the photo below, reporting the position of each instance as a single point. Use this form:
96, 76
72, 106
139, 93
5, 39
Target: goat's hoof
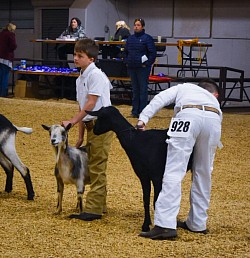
145, 229
57, 213
77, 209
31, 197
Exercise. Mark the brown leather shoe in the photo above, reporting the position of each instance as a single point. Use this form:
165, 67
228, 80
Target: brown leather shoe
159, 233
182, 224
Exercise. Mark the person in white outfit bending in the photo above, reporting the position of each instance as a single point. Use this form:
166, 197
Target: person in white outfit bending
196, 126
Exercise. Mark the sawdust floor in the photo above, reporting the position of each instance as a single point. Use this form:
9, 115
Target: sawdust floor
30, 229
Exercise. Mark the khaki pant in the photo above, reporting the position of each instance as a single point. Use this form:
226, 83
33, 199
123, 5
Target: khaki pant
98, 148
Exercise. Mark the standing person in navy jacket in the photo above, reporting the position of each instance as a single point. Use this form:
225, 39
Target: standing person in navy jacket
7, 47
140, 55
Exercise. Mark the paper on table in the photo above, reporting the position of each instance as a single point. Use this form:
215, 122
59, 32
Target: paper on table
66, 39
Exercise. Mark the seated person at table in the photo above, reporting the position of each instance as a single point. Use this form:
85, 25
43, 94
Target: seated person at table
122, 33
74, 30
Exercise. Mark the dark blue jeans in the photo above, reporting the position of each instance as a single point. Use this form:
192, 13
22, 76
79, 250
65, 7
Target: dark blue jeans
139, 81
4, 78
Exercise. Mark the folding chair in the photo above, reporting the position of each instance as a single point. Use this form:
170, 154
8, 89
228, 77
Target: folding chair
161, 50
101, 47
197, 56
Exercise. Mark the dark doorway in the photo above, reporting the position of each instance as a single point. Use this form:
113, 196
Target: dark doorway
54, 22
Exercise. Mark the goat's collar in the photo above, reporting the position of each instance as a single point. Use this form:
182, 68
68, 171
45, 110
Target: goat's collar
131, 128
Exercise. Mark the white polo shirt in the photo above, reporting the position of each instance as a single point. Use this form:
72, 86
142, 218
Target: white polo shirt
94, 82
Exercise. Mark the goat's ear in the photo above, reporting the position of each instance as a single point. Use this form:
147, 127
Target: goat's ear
46, 127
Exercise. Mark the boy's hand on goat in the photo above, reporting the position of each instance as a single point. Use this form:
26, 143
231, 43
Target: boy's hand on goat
140, 126
66, 123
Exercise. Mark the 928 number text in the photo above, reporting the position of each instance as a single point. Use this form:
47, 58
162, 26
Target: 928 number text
179, 127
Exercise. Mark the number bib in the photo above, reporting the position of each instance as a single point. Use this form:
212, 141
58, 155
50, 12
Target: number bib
179, 127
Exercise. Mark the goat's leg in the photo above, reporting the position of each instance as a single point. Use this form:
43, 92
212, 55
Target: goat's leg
80, 191
9, 171
9, 151
9, 179
157, 188
60, 188
146, 189
29, 186
79, 202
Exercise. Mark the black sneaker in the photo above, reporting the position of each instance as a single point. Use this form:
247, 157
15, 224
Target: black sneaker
159, 233
183, 224
85, 216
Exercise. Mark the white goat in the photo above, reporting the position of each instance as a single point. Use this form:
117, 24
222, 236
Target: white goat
9, 158
71, 164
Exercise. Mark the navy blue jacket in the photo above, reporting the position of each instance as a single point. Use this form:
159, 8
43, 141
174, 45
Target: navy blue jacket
137, 45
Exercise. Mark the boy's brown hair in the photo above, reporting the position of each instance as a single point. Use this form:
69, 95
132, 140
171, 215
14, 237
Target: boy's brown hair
88, 46
209, 85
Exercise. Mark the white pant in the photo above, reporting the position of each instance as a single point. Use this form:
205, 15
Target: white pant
203, 140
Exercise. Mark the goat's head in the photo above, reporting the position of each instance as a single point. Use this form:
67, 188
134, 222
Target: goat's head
58, 135
105, 117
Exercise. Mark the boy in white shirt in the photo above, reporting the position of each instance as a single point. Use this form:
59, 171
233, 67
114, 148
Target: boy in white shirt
92, 93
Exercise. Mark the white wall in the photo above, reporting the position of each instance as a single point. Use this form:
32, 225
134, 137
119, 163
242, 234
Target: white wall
78, 12
158, 16
104, 13
223, 23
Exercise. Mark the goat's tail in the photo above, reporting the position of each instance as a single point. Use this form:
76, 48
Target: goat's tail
26, 130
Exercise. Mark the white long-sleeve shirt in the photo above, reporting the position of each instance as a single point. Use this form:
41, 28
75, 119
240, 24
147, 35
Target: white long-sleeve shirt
181, 94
